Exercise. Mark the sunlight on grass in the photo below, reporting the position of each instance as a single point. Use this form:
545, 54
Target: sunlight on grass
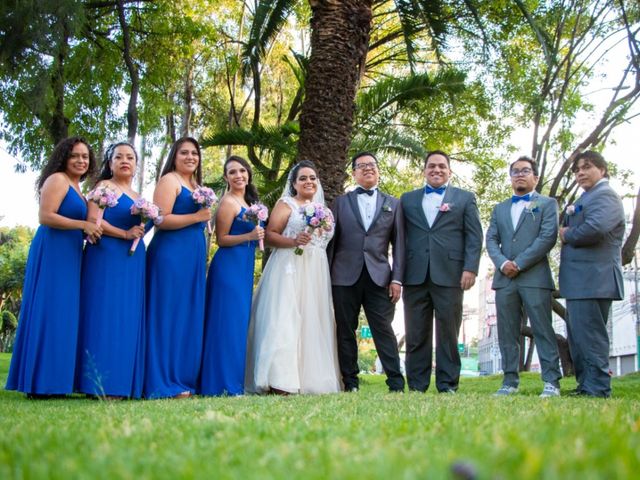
371, 434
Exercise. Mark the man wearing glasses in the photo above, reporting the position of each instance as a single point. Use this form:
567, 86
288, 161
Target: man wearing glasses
523, 229
591, 271
443, 244
367, 221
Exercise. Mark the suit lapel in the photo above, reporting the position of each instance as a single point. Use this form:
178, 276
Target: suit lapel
448, 194
352, 197
380, 198
525, 212
417, 201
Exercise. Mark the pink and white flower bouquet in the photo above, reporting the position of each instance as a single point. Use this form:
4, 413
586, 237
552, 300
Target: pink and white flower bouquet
257, 213
206, 198
104, 197
315, 215
147, 211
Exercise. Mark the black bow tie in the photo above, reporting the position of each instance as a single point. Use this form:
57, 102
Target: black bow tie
361, 190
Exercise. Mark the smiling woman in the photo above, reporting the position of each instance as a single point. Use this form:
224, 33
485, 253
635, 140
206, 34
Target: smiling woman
44, 359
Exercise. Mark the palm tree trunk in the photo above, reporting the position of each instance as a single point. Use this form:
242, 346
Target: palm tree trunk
339, 45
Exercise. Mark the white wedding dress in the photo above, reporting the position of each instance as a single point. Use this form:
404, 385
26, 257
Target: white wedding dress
292, 336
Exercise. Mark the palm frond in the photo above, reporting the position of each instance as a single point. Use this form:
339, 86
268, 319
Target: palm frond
279, 139
395, 142
399, 91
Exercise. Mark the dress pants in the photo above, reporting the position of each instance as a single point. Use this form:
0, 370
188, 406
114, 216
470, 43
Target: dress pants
379, 311
421, 302
589, 344
510, 301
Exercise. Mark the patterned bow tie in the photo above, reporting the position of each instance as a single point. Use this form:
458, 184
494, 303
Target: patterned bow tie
516, 198
361, 190
439, 190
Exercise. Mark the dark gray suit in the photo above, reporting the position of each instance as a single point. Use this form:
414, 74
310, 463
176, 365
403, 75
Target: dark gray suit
360, 276
590, 279
436, 258
528, 246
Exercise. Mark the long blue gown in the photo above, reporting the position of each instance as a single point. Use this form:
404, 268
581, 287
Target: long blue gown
111, 336
228, 310
176, 270
44, 355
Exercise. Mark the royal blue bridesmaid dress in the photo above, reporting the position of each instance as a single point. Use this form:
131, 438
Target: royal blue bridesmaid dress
111, 336
44, 353
176, 269
228, 310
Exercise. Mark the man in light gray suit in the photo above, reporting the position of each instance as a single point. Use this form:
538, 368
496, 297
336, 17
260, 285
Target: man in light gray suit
591, 271
522, 231
367, 221
443, 244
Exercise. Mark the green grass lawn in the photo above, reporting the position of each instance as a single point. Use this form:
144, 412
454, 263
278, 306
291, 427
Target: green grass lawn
370, 434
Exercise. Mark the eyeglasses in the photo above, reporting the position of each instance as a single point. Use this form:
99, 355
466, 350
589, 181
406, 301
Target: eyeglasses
525, 172
365, 166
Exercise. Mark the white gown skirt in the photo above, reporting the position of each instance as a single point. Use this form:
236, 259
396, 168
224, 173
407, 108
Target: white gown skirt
292, 336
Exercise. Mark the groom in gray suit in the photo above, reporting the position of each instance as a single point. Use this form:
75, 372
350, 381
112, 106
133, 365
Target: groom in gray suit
522, 231
443, 244
591, 271
367, 221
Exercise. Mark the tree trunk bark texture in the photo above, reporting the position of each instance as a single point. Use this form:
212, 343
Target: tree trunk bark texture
339, 45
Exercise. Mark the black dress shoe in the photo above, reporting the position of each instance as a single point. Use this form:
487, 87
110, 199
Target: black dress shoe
351, 389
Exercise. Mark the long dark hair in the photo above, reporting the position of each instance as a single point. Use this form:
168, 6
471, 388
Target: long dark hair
251, 192
170, 165
294, 174
106, 173
60, 156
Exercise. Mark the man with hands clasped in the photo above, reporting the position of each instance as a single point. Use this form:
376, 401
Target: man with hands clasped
522, 231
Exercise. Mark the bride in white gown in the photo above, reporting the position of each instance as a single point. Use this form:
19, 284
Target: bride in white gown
292, 340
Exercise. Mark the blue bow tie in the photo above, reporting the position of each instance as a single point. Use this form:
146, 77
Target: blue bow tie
525, 198
440, 190
361, 190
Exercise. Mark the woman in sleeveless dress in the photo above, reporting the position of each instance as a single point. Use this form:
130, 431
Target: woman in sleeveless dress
230, 285
44, 356
292, 340
111, 335
176, 269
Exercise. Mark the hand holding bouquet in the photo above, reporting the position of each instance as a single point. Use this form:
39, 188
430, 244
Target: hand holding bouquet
206, 198
103, 196
257, 214
315, 215
147, 211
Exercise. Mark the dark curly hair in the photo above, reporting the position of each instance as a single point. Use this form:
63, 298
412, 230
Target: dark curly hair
170, 165
294, 174
60, 156
251, 192
105, 172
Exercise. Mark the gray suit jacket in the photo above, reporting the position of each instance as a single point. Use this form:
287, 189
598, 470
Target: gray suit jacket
452, 244
528, 245
590, 260
353, 247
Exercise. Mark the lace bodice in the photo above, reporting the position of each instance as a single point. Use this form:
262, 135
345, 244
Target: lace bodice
295, 224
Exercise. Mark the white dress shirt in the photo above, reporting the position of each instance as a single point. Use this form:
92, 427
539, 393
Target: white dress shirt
367, 206
431, 205
517, 208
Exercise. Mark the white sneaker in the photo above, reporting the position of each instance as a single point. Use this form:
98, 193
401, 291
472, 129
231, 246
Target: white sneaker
549, 390
506, 390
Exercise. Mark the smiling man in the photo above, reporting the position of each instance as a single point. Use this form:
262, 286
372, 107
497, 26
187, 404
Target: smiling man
367, 222
523, 229
443, 244
591, 271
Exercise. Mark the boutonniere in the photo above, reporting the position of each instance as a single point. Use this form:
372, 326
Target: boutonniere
532, 208
386, 208
445, 207
573, 209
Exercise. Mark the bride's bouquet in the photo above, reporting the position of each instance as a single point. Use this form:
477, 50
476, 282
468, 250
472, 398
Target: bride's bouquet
315, 215
257, 213
104, 197
147, 211
206, 198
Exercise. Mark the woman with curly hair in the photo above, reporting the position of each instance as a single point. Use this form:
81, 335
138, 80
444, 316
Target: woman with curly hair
44, 356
